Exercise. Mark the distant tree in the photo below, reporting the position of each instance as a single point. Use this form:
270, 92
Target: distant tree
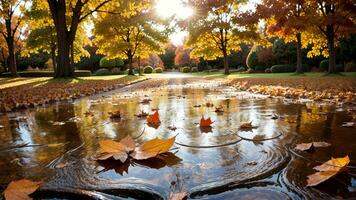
333, 20
283, 52
168, 55
287, 20
182, 57
130, 33
153, 60
217, 29
67, 15
11, 26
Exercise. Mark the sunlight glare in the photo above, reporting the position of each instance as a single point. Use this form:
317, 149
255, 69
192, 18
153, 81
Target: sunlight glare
168, 8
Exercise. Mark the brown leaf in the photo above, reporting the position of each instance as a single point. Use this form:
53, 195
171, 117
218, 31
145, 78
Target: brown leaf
152, 148
328, 170
205, 122
307, 146
129, 143
246, 125
178, 196
115, 115
19, 190
219, 109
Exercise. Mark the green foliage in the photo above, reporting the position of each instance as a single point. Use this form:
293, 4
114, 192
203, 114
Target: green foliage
324, 65
35, 60
284, 52
116, 71
158, 70
148, 70
110, 63
102, 72
350, 67
168, 57
185, 69
283, 68
194, 69
260, 67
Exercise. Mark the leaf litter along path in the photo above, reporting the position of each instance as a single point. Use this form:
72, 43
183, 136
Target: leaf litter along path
264, 166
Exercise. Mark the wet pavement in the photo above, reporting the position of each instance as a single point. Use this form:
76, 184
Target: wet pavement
56, 144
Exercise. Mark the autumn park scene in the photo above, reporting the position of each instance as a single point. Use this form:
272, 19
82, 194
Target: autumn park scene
177, 99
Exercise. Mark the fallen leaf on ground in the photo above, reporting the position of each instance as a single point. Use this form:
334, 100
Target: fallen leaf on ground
153, 119
205, 122
112, 149
246, 125
307, 146
152, 148
19, 190
349, 124
178, 196
197, 106
328, 170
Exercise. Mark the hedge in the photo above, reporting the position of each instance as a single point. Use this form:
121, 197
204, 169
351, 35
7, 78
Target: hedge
158, 70
324, 66
78, 73
148, 70
194, 69
102, 72
185, 69
285, 68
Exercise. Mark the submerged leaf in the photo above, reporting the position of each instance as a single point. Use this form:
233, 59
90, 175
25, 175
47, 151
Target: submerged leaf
246, 125
178, 196
307, 146
19, 190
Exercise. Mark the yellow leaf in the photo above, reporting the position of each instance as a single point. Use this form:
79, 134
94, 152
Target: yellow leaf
19, 190
152, 148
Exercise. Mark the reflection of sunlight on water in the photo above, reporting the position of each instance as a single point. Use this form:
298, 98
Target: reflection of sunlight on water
25, 134
109, 130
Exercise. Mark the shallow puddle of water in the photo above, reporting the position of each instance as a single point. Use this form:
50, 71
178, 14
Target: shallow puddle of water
207, 163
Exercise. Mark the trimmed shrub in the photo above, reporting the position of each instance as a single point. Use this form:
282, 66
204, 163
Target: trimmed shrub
268, 70
241, 69
350, 67
285, 68
249, 70
324, 65
260, 67
148, 70
102, 72
194, 69
110, 63
116, 71
185, 69
158, 70
251, 60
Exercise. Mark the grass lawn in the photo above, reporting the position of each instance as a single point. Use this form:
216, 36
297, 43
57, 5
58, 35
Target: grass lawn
12, 82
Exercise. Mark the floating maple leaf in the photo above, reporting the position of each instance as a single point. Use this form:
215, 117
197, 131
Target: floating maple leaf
246, 125
127, 147
152, 148
349, 124
307, 146
153, 119
328, 170
208, 104
115, 115
19, 190
219, 109
205, 122
142, 114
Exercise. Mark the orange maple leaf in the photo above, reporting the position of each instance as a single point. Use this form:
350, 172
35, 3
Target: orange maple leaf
19, 190
205, 122
153, 119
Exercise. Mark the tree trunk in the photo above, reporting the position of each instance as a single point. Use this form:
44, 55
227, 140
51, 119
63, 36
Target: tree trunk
12, 59
72, 57
53, 57
226, 63
299, 54
130, 65
331, 48
139, 65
